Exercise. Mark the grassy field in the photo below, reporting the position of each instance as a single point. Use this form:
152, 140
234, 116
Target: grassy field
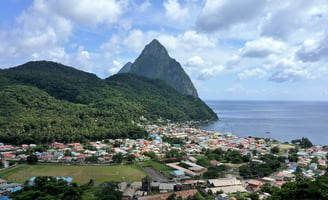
80, 174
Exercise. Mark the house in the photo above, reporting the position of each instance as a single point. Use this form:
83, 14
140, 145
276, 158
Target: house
215, 163
8, 156
81, 158
3, 182
47, 157
166, 187
183, 194
279, 183
223, 197
254, 185
313, 166
178, 173
268, 180
222, 182
65, 159
227, 185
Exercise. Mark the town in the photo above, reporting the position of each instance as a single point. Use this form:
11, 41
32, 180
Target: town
221, 165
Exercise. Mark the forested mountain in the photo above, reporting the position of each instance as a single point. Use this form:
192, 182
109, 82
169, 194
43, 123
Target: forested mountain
154, 62
45, 101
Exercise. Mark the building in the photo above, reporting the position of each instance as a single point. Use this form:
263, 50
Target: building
184, 194
227, 185
178, 173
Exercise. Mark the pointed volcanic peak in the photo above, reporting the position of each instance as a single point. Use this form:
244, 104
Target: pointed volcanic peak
154, 62
126, 68
155, 49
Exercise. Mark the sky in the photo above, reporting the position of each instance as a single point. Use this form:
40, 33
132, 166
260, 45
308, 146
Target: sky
231, 49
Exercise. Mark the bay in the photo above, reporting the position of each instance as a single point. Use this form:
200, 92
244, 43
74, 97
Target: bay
281, 120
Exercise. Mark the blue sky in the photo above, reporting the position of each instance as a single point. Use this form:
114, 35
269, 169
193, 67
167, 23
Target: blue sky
232, 50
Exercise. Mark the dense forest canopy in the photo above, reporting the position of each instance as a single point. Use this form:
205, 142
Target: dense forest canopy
44, 101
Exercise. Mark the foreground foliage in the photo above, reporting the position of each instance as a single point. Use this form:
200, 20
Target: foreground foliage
48, 188
303, 190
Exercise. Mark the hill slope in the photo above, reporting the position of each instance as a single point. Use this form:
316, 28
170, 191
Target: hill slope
46, 101
155, 62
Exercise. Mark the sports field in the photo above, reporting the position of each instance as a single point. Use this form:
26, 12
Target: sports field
80, 174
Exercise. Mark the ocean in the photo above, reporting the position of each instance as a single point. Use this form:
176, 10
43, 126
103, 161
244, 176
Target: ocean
281, 120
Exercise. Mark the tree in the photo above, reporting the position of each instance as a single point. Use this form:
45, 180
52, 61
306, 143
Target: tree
203, 161
275, 150
172, 197
32, 159
315, 160
254, 196
304, 142
118, 158
130, 158
303, 190
268, 188
299, 174
49, 188
91, 159
234, 156
150, 154
215, 171
109, 191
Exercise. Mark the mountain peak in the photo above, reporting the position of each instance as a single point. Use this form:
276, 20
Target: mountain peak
126, 68
154, 62
156, 49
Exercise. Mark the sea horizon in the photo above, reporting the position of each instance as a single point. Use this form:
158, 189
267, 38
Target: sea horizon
284, 120
264, 100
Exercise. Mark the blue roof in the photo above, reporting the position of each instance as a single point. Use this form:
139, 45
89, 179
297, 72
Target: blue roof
4, 198
15, 189
67, 179
301, 153
178, 173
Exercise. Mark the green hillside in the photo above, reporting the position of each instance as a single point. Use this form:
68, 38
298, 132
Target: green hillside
45, 101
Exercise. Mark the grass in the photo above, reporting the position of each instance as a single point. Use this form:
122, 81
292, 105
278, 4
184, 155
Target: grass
80, 174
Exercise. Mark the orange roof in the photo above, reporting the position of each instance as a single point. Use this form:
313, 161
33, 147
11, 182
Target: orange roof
255, 182
280, 182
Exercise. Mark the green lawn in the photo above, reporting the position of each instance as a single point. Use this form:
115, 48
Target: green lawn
80, 174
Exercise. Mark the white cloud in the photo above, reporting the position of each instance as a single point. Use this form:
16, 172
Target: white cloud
144, 6
290, 70
117, 65
248, 73
174, 10
135, 40
223, 14
210, 72
195, 62
39, 35
90, 12
313, 50
113, 45
189, 40
262, 47
82, 59
294, 20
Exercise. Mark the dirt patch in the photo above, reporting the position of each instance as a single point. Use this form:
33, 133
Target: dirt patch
155, 175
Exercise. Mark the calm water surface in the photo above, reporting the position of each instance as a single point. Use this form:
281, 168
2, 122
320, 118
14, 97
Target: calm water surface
284, 120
